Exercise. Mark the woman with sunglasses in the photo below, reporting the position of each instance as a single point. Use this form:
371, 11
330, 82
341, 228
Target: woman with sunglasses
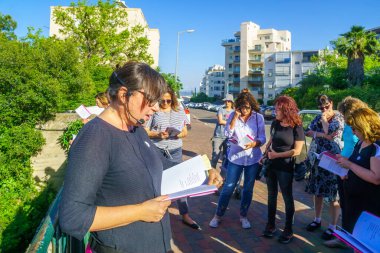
361, 186
114, 171
245, 129
326, 129
166, 128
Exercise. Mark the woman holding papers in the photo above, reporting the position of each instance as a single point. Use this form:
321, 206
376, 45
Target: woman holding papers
327, 130
362, 184
285, 143
112, 185
246, 130
166, 128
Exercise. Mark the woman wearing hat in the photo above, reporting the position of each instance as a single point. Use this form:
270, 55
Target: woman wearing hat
326, 129
218, 137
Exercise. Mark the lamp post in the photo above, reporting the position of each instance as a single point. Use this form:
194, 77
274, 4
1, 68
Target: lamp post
176, 60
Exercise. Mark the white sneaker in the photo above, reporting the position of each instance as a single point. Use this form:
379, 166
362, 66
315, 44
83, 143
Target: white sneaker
245, 223
214, 223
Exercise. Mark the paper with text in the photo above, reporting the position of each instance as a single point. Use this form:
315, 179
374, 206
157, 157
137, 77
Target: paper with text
366, 234
184, 176
247, 139
96, 110
83, 112
329, 162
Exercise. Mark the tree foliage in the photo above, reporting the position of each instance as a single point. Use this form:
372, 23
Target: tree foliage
103, 32
175, 85
356, 44
7, 26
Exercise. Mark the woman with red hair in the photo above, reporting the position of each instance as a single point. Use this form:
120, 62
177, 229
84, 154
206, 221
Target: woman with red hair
286, 141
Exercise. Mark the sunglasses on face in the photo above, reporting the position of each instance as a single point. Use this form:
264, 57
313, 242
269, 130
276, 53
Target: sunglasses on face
167, 101
150, 103
326, 107
245, 107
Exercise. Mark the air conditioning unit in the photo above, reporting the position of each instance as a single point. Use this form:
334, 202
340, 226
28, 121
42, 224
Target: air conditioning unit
270, 86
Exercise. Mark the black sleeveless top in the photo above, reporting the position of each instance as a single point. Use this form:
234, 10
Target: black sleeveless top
356, 187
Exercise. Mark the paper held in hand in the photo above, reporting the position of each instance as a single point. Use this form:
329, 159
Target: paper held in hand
329, 161
366, 235
173, 131
85, 112
247, 139
186, 179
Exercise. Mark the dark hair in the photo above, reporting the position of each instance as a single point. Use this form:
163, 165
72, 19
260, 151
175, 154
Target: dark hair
174, 105
323, 100
244, 98
136, 76
289, 109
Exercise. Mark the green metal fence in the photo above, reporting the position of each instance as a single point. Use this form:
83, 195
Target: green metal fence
49, 237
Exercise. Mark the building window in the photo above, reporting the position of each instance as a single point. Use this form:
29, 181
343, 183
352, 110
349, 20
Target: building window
297, 62
267, 37
296, 75
270, 96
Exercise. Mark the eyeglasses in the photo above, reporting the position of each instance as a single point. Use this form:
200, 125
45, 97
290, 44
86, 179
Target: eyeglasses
245, 107
326, 107
151, 103
167, 101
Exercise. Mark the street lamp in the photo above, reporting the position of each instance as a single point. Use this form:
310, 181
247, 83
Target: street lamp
176, 60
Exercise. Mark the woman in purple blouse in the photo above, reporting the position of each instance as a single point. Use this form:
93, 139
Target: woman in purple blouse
245, 130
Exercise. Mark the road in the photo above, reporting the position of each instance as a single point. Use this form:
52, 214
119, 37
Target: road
229, 236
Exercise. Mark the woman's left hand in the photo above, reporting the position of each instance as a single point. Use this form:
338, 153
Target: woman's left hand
214, 178
343, 161
250, 145
272, 155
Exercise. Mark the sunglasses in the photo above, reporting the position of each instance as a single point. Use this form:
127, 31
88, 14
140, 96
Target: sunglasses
150, 103
167, 101
326, 107
245, 107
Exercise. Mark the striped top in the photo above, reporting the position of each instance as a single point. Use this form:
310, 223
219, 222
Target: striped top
160, 121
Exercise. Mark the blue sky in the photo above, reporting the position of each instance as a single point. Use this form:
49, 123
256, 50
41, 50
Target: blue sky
312, 24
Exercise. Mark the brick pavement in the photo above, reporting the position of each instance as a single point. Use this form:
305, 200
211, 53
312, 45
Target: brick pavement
229, 236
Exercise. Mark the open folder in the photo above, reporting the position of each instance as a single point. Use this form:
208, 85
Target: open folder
187, 179
366, 235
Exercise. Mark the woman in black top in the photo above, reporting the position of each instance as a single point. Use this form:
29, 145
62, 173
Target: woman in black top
112, 184
287, 138
361, 186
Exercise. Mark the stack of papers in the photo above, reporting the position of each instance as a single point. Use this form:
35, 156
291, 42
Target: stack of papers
187, 179
246, 140
329, 161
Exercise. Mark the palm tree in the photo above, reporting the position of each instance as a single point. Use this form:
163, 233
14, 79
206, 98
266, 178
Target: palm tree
355, 45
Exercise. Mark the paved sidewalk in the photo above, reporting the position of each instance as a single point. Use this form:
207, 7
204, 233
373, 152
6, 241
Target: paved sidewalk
229, 236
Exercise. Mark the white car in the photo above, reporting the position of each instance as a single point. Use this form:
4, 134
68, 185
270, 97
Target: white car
187, 112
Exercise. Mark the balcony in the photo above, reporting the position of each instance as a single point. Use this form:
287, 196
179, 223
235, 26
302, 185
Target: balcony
256, 70
230, 41
255, 59
237, 60
236, 71
233, 89
283, 60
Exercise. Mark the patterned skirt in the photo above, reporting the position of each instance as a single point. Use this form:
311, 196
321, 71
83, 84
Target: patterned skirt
322, 183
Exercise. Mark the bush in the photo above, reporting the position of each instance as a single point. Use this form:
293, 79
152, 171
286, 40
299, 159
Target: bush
71, 130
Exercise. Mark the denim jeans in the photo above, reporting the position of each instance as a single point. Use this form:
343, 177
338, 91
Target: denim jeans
176, 155
285, 180
233, 174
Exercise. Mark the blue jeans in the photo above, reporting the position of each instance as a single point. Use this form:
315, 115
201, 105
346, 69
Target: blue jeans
176, 155
233, 174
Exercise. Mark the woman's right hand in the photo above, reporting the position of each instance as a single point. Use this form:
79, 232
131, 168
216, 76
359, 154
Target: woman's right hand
153, 210
163, 135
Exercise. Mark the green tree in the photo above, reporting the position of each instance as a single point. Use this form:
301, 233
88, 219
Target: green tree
103, 32
7, 26
175, 85
356, 45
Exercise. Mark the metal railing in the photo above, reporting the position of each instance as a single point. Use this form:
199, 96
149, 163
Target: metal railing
49, 237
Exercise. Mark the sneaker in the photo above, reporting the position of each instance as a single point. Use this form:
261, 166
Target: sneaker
328, 234
286, 236
335, 243
313, 226
245, 223
269, 231
214, 223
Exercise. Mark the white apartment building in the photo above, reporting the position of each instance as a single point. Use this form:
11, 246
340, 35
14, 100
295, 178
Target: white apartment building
284, 70
135, 17
213, 82
244, 56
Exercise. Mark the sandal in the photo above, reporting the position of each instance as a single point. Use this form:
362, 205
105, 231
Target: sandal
313, 226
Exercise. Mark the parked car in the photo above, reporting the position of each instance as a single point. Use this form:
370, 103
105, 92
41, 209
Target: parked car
270, 113
187, 112
307, 116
